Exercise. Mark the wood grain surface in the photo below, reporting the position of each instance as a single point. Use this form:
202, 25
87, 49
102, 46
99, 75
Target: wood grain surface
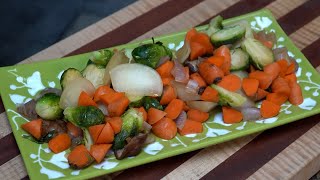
288, 152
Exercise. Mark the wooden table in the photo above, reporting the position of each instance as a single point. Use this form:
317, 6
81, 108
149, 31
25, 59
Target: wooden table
291, 151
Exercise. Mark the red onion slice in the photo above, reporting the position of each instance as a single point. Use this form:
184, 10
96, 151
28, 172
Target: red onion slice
181, 119
184, 52
192, 86
178, 72
251, 114
103, 108
183, 94
146, 127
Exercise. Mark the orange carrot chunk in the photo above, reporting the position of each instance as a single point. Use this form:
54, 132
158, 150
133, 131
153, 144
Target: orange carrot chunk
168, 95
250, 86
296, 96
264, 79
174, 108
118, 107
154, 115
95, 131
272, 69
165, 128
60, 143
277, 98
73, 130
101, 91
210, 73
191, 127
164, 70
33, 127
216, 60
86, 100
210, 94
283, 64
291, 68
107, 135
269, 109
197, 50
291, 78
80, 157
190, 34
259, 95
224, 52
280, 85
230, 82
231, 115
196, 77
115, 123
204, 40
143, 112
197, 115
99, 151
167, 80
111, 97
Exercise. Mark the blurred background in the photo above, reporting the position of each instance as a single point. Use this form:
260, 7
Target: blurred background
29, 26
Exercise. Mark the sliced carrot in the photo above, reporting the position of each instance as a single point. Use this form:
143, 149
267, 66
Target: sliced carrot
33, 127
190, 34
252, 69
264, 79
296, 96
280, 85
210, 94
168, 95
283, 67
60, 143
111, 97
95, 131
250, 86
277, 98
80, 157
73, 130
291, 68
209, 72
99, 151
101, 91
272, 69
197, 115
118, 107
164, 70
230, 82
174, 108
107, 135
216, 60
143, 112
167, 80
191, 127
196, 77
224, 51
197, 50
165, 128
204, 40
185, 107
259, 95
85, 100
154, 115
115, 123
231, 115
291, 78
269, 109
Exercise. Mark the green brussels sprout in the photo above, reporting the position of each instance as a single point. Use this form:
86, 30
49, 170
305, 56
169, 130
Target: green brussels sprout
131, 126
101, 57
47, 107
84, 116
230, 98
150, 54
149, 102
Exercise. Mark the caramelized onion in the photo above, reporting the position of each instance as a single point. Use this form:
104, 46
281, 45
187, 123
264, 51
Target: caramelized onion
184, 52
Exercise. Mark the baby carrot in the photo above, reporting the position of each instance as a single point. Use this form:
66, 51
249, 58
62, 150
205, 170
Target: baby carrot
264, 79
115, 123
154, 115
85, 100
168, 95
33, 127
79, 157
95, 131
190, 34
107, 135
60, 143
209, 72
204, 40
269, 109
99, 151
250, 86
230, 82
191, 127
210, 94
165, 128
259, 95
272, 69
216, 60
101, 91
111, 97
296, 96
283, 64
224, 52
197, 115
167, 80
197, 50
280, 85
291, 78
291, 68
277, 98
164, 70
118, 107
174, 108
231, 115
196, 77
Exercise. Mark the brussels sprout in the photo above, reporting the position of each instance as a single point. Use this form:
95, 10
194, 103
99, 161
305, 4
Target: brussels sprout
47, 107
101, 57
87, 140
230, 98
84, 116
131, 126
95, 74
149, 102
150, 54
68, 75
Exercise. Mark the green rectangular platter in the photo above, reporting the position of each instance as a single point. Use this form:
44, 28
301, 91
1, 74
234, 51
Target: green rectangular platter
22, 82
